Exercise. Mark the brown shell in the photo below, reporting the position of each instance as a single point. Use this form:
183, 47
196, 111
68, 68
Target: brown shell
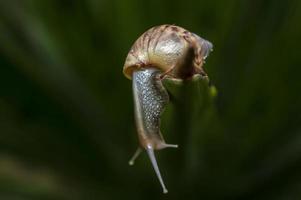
172, 49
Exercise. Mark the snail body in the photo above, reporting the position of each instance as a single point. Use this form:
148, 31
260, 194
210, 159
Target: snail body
165, 51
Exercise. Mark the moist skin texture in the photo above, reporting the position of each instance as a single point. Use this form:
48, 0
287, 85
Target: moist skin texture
150, 99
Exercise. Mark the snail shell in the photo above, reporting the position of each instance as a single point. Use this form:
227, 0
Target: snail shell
173, 50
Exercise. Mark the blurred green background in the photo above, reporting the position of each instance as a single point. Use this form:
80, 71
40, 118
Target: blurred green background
66, 111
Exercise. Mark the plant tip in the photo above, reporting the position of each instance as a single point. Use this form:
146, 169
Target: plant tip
131, 162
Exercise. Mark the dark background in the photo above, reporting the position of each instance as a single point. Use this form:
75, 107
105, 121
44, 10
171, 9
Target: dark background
66, 114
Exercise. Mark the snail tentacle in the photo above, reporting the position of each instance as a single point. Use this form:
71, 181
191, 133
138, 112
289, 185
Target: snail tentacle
151, 154
135, 156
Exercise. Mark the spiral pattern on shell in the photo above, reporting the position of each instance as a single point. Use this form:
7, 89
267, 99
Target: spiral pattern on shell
172, 49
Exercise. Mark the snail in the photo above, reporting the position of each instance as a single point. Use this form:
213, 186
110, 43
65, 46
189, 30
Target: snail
165, 51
